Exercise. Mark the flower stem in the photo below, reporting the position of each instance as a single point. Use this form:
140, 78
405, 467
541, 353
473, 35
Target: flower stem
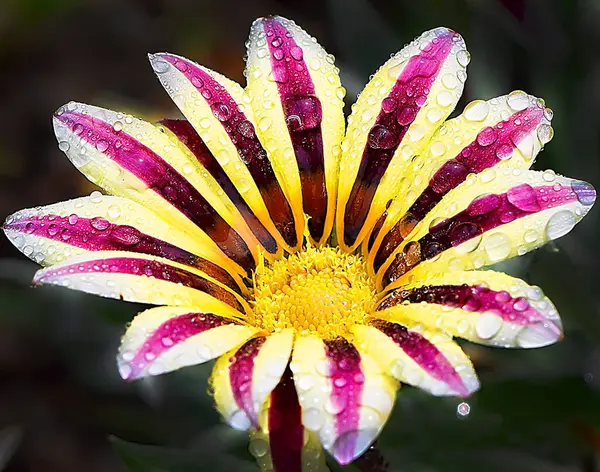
372, 461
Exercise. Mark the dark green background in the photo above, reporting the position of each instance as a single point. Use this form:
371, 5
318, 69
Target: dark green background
60, 395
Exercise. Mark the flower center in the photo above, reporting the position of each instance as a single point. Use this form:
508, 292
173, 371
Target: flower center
323, 291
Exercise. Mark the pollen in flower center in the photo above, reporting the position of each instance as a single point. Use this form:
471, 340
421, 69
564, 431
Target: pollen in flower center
323, 291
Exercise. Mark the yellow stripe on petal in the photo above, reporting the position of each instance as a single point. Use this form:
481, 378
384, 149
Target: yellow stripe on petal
54, 233
393, 120
486, 307
219, 111
134, 159
491, 217
345, 397
244, 378
144, 279
297, 99
506, 131
429, 360
167, 338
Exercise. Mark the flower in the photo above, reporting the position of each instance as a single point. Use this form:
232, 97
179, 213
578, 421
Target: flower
319, 270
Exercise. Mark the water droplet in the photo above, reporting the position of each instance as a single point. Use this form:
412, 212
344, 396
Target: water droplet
100, 224
445, 99
63, 146
380, 137
477, 110
504, 151
497, 246
73, 218
102, 145
463, 57
258, 447
560, 224
389, 104
296, 53
303, 112
487, 136
160, 66
518, 100
126, 235
118, 126
312, 419
545, 133
221, 111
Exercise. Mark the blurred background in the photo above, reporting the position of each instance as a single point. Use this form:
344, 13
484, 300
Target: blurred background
63, 406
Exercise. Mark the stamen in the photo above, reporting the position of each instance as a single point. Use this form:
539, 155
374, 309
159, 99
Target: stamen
324, 291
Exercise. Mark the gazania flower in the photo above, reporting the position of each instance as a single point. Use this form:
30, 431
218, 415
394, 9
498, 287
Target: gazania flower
319, 270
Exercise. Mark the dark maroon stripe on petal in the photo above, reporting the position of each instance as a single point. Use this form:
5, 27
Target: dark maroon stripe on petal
303, 115
474, 298
163, 179
286, 433
240, 376
242, 134
347, 381
424, 353
188, 135
143, 268
482, 215
408, 95
98, 234
171, 333
493, 144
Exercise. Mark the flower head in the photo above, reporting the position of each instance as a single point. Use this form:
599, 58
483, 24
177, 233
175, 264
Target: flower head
319, 270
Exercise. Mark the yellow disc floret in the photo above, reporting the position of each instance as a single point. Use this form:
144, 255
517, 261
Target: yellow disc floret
323, 291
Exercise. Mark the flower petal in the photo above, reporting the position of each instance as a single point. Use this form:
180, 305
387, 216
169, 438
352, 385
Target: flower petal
491, 217
426, 359
392, 121
506, 131
167, 338
243, 379
345, 398
486, 307
135, 277
218, 110
134, 159
51, 234
297, 99
282, 444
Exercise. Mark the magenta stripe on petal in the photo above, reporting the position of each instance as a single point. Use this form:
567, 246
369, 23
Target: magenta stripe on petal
286, 433
482, 215
142, 268
347, 381
240, 376
424, 353
399, 109
163, 179
171, 333
491, 145
242, 134
188, 135
303, 115
474, 298
98, 234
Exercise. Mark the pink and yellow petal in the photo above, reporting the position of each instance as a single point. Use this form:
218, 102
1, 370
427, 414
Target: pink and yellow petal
219, 111
54, 233
282, 444
486, 307
345, 398
297, 98
142, 278
427, 359
491, 217
393, 120
507, 131
244, 378
164, 339
134, 159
